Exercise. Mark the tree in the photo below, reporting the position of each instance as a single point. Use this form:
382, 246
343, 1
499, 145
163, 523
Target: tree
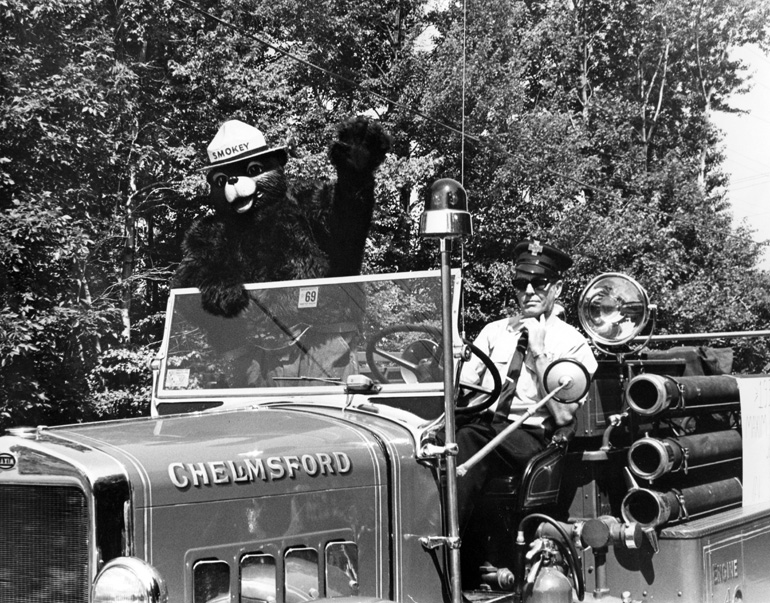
583, 123
600, 145
107, 108
76, 183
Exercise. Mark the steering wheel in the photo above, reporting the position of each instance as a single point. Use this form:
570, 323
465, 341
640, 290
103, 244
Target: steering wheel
491, 394
422, 361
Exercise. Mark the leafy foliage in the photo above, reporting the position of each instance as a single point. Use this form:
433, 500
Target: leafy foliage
120, 383
586, 124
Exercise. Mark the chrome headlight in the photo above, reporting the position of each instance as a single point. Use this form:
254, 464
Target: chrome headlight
129, 580
613, 308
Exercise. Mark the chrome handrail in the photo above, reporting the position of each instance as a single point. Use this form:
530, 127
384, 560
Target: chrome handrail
699, 336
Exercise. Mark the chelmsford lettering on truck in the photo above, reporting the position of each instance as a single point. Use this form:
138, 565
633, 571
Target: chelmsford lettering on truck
218, 473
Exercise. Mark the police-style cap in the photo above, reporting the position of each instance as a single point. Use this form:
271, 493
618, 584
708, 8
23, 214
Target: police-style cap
534, 257
236, 141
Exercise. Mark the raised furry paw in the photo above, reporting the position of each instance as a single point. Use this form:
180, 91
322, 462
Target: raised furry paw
361, 146
227, 301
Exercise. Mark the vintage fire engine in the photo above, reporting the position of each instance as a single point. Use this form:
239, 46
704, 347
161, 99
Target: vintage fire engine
293, 454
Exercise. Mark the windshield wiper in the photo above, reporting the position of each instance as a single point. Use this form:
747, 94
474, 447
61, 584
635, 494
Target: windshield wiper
335, 380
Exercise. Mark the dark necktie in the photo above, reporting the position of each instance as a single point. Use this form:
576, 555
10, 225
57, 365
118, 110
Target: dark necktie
514, 370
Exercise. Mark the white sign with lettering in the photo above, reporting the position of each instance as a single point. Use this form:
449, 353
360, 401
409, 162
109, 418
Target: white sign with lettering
755, 420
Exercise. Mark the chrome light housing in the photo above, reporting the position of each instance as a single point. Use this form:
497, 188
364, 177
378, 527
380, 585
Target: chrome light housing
129, 580
446, 211
613, 309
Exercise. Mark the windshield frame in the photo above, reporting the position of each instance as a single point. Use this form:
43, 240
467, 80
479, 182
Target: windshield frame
250, 395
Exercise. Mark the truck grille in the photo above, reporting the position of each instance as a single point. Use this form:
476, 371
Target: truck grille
43, 544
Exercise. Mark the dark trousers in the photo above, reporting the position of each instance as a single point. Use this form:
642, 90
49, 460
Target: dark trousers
509, 458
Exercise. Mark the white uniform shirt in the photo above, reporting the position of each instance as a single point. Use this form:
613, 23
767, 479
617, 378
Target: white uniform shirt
498, 340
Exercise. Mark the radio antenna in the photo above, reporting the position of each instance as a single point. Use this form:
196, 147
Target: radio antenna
462, 106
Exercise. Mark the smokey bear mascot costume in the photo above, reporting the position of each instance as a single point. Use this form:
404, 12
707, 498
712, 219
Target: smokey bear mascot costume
265, 228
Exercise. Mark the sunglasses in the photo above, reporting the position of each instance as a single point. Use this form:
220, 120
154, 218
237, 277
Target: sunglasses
539, 283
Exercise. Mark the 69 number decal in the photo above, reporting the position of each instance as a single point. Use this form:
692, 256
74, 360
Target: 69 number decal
308, 297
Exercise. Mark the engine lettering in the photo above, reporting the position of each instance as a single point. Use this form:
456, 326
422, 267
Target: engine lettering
722, 572
273, 468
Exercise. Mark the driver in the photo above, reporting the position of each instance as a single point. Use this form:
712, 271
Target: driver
522, 347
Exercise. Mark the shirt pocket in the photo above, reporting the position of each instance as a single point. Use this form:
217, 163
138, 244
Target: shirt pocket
501, 356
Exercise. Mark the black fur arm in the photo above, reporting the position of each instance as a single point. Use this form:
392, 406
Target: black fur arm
218, 275
360, 149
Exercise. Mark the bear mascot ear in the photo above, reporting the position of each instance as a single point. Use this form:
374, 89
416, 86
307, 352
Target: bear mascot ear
265, 228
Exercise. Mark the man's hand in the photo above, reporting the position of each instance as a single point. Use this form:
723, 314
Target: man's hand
536, 328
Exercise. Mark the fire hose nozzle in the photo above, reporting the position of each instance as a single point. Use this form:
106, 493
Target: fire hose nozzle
651, 394
651, 458
652, 508
608, 531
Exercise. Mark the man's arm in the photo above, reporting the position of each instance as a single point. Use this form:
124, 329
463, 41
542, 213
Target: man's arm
563, 414
585, 356
473, 369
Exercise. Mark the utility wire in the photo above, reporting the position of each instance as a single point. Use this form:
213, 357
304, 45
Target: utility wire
462, 117
464, 135
451, 128
337, 76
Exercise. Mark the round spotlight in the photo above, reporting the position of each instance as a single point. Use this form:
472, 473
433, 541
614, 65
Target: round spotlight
613, 308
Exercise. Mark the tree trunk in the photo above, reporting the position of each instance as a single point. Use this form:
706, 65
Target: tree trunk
128, 260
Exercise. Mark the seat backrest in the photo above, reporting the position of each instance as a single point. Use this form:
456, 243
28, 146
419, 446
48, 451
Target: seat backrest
541, 480
539, 483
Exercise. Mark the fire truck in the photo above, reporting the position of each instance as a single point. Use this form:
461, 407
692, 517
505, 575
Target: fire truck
295, 453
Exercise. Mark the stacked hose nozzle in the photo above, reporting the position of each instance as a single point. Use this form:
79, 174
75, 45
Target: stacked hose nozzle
651, 508
649, 458
652, 458
649, 394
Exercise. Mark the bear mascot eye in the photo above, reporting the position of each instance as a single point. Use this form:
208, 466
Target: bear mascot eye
217, 179
254, 168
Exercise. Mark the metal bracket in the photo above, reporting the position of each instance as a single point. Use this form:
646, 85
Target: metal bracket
682, 508
433, 542
435, 451
680, 389
652, 538
629, 479
614, 421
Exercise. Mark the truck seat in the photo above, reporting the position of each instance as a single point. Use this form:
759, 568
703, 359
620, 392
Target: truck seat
538, 486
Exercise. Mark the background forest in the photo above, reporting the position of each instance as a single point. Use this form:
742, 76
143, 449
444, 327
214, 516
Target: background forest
587, 124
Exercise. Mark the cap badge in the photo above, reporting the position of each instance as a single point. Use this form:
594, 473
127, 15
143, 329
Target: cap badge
535, 248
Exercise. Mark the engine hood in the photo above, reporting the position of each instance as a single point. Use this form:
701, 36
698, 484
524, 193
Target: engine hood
241, 454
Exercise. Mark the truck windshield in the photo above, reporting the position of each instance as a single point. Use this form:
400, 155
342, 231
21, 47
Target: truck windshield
309, 333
